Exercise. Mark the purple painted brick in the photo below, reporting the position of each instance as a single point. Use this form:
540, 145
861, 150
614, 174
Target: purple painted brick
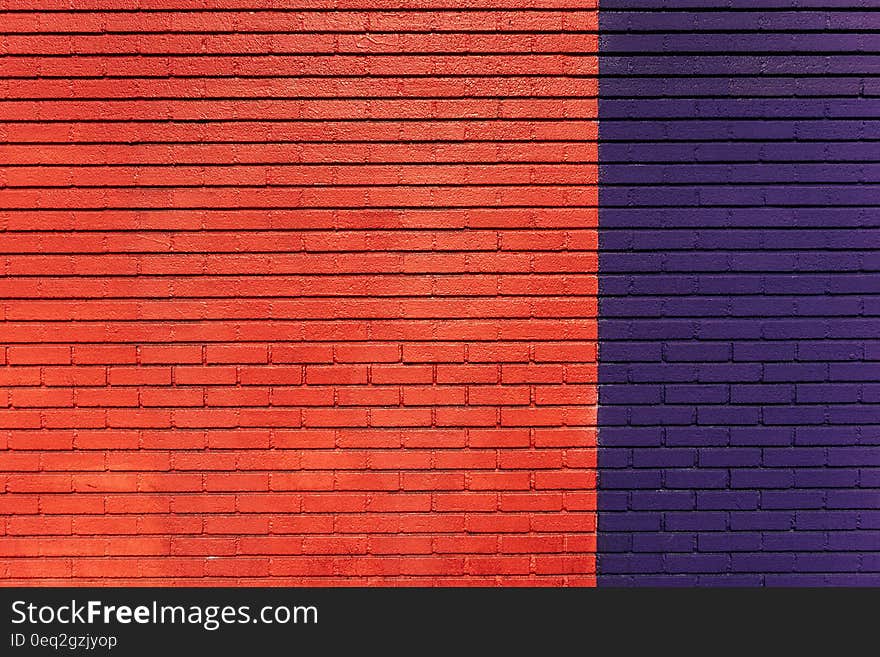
617, 458
664, 542
869, 393
862, 579
792, 499
794, 415
830, 520
662, 415
753, 352
763, 478
830, 351
871, 562
826, 435
730, 580
630, 522
615, 415
729, 415
696, 394
761, 436
727, 500
693, 478
669, 457
629, 352
799, 541
828, 562
662, 500
614, 437
744, 521
854, 541
696, 563
797, 580
697, 351
826, 478
614, 542
794, 457
631, 563
788, 372
729, 372
614, 500
696, 521
696, 436
731, 542
631, 479
869, 477
816, 393
852, 414
730, 457
762, 562
739, 244
762, 394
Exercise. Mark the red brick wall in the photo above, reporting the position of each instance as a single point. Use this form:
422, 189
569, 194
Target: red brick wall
296, 295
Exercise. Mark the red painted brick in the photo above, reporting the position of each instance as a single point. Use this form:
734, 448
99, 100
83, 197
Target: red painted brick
253, 339
38, 355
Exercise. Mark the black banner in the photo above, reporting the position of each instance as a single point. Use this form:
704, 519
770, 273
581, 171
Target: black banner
290, 621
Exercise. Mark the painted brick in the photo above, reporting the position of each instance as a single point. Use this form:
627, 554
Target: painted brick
263, 328
736, 332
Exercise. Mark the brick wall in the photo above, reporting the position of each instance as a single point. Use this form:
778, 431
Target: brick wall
297, 293
302, 293
739, 279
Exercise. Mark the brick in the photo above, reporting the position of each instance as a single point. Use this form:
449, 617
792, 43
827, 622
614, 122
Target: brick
302, 353
401, 374
257, 340
38, 355
433, 353
465, 502
499, 438
498, 481
499, 565
139, 419
106, 439
262, 376
127, 376
400, 417
336, 374
467, 374
466, 544
201, 503
179, 397
41, 440
105, 482
236, 397
103, 355
465, 416
236, 482
170, 354
102, 397
74, 376
67, 461
137, 503
236, 354
363, 396
20, 376
39, 483
433, 481
498, 395
186, 375
759, 349
367, 353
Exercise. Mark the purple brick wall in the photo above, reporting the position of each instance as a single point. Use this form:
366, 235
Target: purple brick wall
740, 292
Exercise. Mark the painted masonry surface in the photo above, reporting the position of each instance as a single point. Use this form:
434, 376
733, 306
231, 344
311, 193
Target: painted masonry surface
370, 292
